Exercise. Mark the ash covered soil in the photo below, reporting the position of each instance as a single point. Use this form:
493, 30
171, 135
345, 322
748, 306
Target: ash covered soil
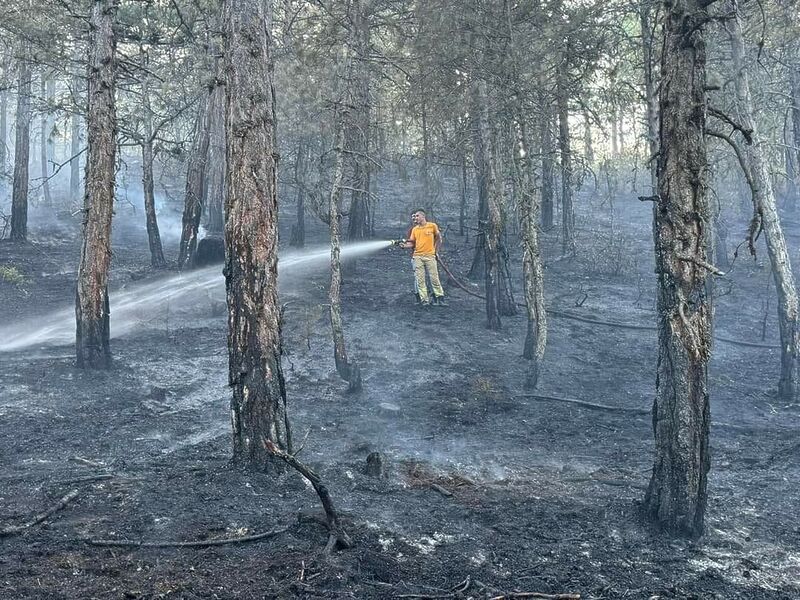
487, 491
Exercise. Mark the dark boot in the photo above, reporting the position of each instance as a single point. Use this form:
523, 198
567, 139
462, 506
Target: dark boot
440, 301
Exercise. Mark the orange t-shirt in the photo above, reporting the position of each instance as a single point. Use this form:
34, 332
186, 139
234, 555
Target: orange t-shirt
424, 238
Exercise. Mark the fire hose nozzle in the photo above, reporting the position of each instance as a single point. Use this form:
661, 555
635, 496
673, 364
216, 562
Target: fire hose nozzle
399, 242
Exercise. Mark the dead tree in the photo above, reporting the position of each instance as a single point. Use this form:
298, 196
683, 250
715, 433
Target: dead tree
258, 406
298, 236
676, 495
215, 188
546, 136
22, 149
75, 135
766, 217
91, 307
348, 371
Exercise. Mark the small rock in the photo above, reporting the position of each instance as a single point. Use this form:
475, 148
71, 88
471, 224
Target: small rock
374, 464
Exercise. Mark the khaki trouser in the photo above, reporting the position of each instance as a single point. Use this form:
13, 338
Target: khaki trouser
421, 264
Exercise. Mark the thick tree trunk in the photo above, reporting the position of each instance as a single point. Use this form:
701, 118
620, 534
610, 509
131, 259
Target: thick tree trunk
91, 308
215, 189
153, 236
44, 141
258, 406
195, 183
548, 172
564, 142
676, 496
22, 150
766, 211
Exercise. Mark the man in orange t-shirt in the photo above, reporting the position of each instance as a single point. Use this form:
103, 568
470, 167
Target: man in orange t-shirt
425, 239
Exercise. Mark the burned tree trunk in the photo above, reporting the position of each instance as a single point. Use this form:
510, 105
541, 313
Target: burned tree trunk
564, 142
258, 406
75, 137
493, 222
195, 184
358, 215
766, 217
676, 496
298, 238
153, 236
44, 140
348, 371
91, 308
528, 209
548, 180
22, 149
215, 188
651, 100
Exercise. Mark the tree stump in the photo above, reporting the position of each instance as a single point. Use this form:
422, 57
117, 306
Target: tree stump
375, 465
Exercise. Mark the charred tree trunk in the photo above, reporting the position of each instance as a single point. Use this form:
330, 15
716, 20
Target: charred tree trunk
676, 496
215, 190
91, 308
493, 226
528, 209
766, 217
548, 179
588, 145
564, 142
348, 371
22, 150
795, 150
358, 217
298, 239
651, 99
75, 135
481, 160
258, 406
44, 140
462, 209
195, 184
153, 235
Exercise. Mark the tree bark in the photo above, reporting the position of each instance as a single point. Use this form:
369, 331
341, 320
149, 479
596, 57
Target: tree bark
298, 238
676, 495
22, 149
766, 212
75, 143
795, 110
215, 191
651, 99
548, 179
567, 210
258, 406
44, 140
358, 216
348, 371
195, 183
91, 307
153, 236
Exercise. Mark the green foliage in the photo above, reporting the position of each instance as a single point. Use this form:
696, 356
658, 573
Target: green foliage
11, 274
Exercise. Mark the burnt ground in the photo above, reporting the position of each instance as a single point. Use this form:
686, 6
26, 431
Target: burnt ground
486, 490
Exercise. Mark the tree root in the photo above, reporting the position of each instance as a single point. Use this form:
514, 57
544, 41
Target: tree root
191, 544
338, 536
582, 403
17, 529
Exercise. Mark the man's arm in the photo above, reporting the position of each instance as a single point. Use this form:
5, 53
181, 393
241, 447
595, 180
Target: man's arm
437, 240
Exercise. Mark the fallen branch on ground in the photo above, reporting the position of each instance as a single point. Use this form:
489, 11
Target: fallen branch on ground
338, 536
605, 407
17, 529
191, 544
517, 595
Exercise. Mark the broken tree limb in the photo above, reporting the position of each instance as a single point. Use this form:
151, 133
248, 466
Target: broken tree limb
584, 404
17, 529
517, 595
190, 544
342, 540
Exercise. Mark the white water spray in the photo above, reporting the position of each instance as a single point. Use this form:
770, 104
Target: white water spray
151, 305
